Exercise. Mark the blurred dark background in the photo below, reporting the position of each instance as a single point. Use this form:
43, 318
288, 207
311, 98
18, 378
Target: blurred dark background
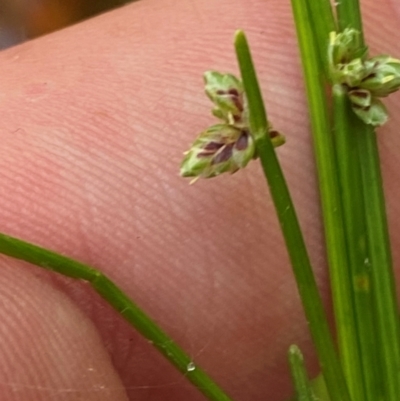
26, 19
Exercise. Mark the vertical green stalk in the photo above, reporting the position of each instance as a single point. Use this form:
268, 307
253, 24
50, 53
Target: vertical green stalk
349, 16
330, 199
383, 282
364, 386
323, 23
299, 375
121, 303
302, 270
386, 317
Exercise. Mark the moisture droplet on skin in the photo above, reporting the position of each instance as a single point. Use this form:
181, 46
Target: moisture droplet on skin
191, 367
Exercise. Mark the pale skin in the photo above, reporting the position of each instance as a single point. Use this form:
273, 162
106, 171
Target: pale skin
94, 120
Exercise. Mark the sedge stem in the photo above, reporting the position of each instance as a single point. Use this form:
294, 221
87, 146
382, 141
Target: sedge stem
53, 261
298, 254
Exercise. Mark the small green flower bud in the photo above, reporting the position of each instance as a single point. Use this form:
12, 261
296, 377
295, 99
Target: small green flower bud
346, 58
226, 92
343, 47
375, 114
360, 98
350, 74
383, 77
221, 148
365, 79
277, 138
224, 147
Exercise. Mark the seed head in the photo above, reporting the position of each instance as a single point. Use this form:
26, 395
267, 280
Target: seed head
227, 94
382, 76
219, 149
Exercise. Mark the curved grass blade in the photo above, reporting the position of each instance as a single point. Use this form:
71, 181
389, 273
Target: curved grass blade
55, 262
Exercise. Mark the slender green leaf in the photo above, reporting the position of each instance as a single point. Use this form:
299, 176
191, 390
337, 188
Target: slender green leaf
386, 347
121, 302
299, 375
323, 23
361, 374
349, 16
383, 282
290, 227
330, 199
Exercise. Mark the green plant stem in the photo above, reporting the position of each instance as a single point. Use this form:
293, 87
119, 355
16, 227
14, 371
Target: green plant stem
330, 197
383, 282
387, 344
362, 378
323, 23
349, 16
121, 303
299, 375
309, 294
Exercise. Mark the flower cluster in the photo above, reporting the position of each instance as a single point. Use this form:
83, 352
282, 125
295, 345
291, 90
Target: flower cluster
366, 79
229, 145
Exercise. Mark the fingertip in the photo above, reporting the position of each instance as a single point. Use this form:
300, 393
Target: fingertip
48, 348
